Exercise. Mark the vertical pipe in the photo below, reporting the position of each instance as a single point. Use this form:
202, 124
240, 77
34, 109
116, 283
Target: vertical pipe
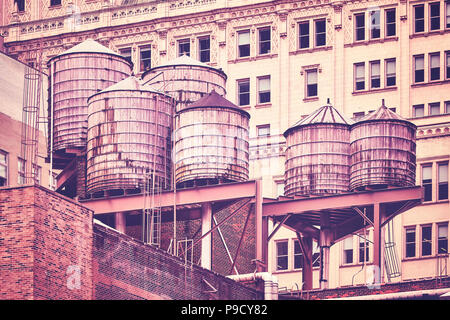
206, 241
377, 238
51, 119
325, 243
120, 222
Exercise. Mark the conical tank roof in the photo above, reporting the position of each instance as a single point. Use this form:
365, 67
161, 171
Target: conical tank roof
326, 114
89, 46
128, 84
213, 99
383, 113
185, 60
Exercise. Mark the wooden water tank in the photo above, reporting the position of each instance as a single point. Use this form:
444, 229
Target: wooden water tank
318, 154
211, 142
383, 151
129, 137
186, 79
75, 75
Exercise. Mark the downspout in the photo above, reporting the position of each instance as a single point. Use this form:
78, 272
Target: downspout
270, 282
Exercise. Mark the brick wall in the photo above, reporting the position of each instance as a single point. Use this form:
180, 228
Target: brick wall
125, 268
45, 245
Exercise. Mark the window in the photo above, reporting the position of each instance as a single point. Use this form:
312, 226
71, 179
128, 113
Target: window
280, 189
447, 107
244, 92
419, 110
3, 168
264, 40
320, 31
447, 62
37, 172
348, 250
375, 24
53, 182
264, 90
311, 83
315, 255
435, 16
204, 47
145, 58
304, 34
298, 255
244, 43
375, 74
390, 23
435, 69
55, 2
419, 18
419, 73
427, 182
426, 240
359, 76
20, 171
263, 130
363, 243
360, 28
434, 108
282, 255
126, 53
184, 47
410, 242
20, 5
447, 14
442, 242
442, 181
390, 73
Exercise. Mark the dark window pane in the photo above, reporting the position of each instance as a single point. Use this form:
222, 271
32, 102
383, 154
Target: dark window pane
348, 256
360, 27
264, 40
244, 50
434, 73
390, 23
390, 81
419, 21
204, 46
360, 85
312, 90
375, 83
443, 191
264, 97
419, 76
427, 191
410, 250
304, 35
320, 33
435, 16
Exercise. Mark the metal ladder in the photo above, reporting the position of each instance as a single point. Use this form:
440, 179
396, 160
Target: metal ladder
390, 254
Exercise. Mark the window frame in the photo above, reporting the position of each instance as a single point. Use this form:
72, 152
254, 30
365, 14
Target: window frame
263, 127
438, 239
355, 78
260, 92
240, 93
306, 35
20, 5
371, 75
21, 179
435, 69
316, 33
415, 70
371, 24
357, 28
447, 14
6, 166
180, 46
345, 251
389, 75
243, 46
418, 106
203, 50
361, 240
313, 85
428, 186
421, 19
57, 4
387, 23
428, 242
436, 18
284, 256
434, 106
442, 184
296, 244
129, 58
447, 63
142, 61
261, 42
413, 243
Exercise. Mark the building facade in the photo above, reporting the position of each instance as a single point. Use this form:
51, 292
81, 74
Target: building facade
283, 60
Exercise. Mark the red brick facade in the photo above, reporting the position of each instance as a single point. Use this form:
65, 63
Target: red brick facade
46, 245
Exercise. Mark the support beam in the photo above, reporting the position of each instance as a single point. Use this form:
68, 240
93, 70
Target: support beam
206, 238
377, 217
120, 219
282, 222
259, 226
325, 244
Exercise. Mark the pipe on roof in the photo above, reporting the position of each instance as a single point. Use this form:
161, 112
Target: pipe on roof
270, 282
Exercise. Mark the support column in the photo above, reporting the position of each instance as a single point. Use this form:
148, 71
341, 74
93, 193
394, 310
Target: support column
259, 226
307, 274
325, 243
206, 241
120, 221
377, 215
265, 242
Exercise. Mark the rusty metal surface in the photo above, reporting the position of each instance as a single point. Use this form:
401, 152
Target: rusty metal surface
383, 153
317, 160
129, 134
77, 76
211, 143
186, 83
